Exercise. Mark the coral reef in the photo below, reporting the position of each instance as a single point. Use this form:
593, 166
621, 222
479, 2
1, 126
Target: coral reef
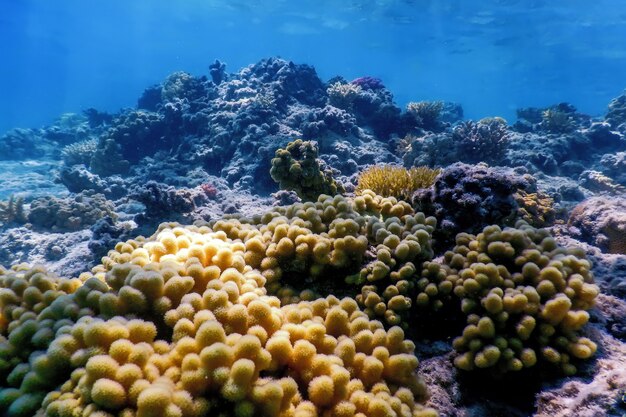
297, 168
394, 181
135, 134
305, 302
106, 233
557, 121
77, 178
600, 395
107, 159
536, 209
600, 183
524, 298
426, 150
614, 166
218, 72
327, 121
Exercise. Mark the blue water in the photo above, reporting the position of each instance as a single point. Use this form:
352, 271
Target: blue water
491, 56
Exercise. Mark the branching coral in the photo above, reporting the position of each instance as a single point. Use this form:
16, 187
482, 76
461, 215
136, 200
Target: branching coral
524, 298
554, 120
12, 211
342, 95
394, 181
426, 113
79, 152
481, 142
297, 168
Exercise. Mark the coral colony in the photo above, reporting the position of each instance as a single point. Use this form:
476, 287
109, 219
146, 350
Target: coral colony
264, 243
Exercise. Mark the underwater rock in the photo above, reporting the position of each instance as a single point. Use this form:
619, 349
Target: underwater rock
601, 221
64, 253
19, 144
78, 178
614, 165
616, 114
597, 395
72, 213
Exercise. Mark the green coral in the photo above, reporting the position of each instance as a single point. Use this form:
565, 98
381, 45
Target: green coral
394, 181
297, 168
524, 299
368, 246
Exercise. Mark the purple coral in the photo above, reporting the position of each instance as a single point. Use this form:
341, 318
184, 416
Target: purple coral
466, 198
368, 83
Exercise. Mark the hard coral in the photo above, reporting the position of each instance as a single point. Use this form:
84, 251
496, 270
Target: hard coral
79, 152
394, 181
536, 209
12, 211
482, 141
524, 297
343, 95
339, 246
426, 113
557, 121
180, 324
297, 168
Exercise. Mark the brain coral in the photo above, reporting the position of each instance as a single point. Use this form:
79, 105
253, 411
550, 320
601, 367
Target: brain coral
181, 324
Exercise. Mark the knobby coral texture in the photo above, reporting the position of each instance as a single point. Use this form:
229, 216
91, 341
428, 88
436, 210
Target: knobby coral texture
207, 319
315, 240
183, 323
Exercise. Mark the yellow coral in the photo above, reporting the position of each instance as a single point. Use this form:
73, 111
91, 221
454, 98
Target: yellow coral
394, 181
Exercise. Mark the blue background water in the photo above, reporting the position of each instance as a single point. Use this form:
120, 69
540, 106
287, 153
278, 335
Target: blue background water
492, 56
